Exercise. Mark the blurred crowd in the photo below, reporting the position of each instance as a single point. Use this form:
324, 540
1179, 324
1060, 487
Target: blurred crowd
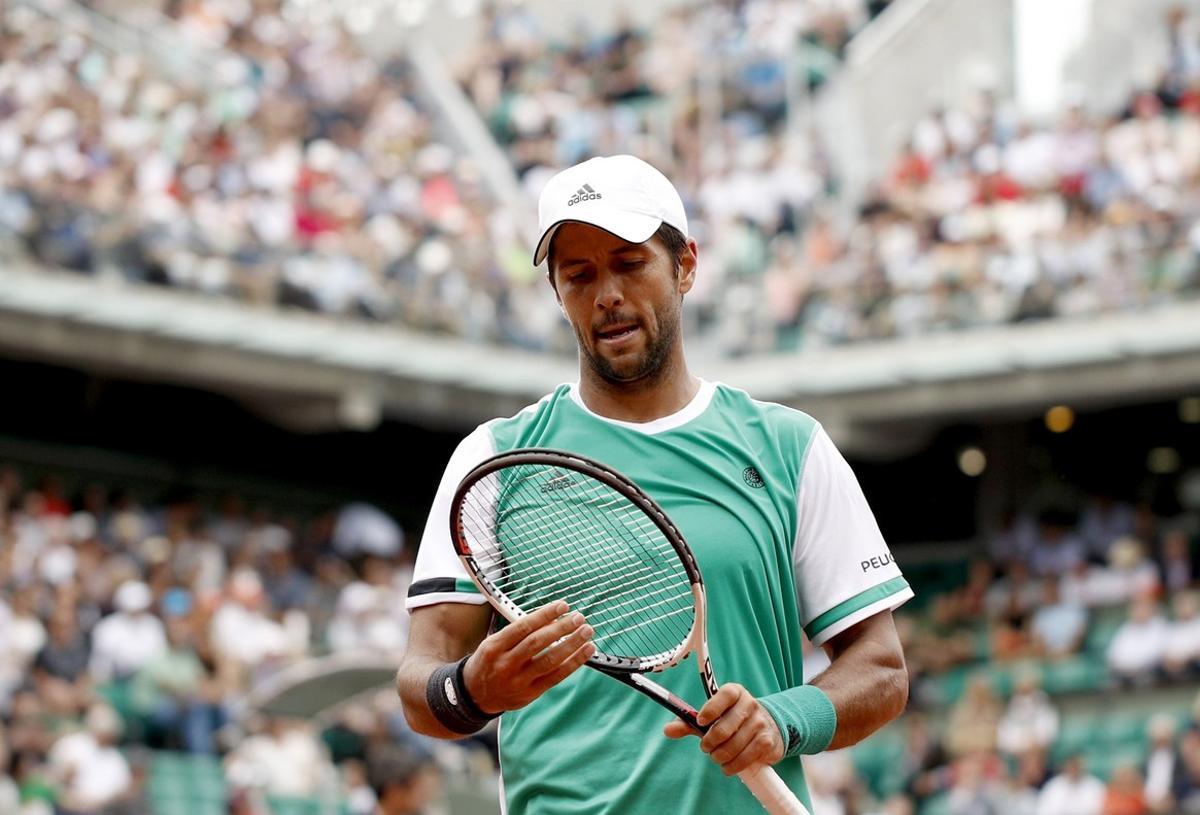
303, 173
126, 629
1009, 780
984, 218
295, 171
1102, 601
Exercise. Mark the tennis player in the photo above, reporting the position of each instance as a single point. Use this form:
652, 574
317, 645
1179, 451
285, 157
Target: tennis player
784, 538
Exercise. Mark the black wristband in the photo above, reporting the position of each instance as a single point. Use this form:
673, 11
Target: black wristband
451, 703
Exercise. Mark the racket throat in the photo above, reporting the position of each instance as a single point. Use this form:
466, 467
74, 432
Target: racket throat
665, 698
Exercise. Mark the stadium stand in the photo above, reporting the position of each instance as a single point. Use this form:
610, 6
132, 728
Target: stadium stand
132, 635
983, 219
307, 177
351, 204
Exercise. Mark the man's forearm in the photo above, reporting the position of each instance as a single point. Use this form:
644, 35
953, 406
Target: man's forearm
867, 680
411, 682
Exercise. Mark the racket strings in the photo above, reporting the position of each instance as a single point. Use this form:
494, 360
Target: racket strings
562, 561
562, 521
540, 533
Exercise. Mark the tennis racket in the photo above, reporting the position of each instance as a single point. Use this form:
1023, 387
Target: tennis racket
533, 526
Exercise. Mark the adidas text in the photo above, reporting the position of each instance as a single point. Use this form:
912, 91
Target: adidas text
577, 197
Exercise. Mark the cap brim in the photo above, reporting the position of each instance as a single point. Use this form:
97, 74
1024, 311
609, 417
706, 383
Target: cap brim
628, 226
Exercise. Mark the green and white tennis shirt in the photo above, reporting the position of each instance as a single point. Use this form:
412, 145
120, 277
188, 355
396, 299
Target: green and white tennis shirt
785, 542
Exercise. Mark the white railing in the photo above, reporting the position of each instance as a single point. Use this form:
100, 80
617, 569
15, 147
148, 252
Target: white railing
1126, 49
915, 55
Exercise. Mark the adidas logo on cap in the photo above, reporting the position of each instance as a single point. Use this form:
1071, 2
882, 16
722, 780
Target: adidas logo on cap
584, 193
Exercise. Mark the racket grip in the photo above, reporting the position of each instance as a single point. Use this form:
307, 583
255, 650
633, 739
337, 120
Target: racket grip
771, 792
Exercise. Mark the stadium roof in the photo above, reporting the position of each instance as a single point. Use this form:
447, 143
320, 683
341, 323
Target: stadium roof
311, 372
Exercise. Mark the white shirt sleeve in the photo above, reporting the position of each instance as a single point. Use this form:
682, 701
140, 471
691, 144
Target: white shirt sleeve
844, 571
439, 576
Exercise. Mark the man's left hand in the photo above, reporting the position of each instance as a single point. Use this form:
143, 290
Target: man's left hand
741, 734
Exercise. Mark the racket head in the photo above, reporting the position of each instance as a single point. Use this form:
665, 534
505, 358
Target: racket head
534, 525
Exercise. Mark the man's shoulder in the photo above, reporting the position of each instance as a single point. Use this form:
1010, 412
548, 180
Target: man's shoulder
776, 418
508, 432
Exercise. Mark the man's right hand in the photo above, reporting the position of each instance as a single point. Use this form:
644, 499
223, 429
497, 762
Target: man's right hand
517, 664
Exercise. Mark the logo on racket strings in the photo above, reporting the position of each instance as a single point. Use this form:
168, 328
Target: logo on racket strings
752, 478
559, 482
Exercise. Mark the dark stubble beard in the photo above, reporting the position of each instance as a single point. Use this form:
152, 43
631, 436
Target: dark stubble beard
653, 359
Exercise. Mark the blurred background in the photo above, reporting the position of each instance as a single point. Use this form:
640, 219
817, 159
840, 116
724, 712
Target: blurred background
264, 262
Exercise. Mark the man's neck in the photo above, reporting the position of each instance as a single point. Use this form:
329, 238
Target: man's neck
642, 401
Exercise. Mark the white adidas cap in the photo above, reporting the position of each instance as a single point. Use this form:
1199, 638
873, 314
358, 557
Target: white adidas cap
620, 194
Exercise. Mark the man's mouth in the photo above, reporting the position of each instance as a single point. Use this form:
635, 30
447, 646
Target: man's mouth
616, 333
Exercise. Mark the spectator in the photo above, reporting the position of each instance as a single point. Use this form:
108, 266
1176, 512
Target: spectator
22, 636
897, 805
170, 692
1125, 794
286, 585
362, 529
1136, 651
1162, 764
404, 782
243, 636
1058, 549
924, 763
1072, 790
10, 795
128, 638
1177, 567
1181, 651
1010, 636
281, 757
1015, 592
89, 768
66, 654
974, 720
1030, 720
365, 621
1104, 521
1186, 779
1131, 573
1058, 625
1031, 775
978, 787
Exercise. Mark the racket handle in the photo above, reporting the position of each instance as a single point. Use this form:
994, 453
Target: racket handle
771, 792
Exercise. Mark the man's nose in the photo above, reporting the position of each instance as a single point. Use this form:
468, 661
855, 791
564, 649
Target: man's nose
608, 292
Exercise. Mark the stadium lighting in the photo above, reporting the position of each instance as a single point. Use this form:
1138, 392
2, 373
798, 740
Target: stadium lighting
1163, 460
972, 461
1189, 410
1059, 419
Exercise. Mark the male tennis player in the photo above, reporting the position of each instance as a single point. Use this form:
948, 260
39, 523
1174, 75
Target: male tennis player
780, 528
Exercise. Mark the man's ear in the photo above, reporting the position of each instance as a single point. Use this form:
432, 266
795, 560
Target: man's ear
689, 263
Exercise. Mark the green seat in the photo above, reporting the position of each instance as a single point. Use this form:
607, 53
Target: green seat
936, 805
1075, 733
876, 760
1074, 675
1102, 762
949, 686
1122, 729
1102, 629
280, 805
119, 695
1001, 678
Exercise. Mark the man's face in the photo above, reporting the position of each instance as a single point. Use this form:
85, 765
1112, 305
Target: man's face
623, 299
